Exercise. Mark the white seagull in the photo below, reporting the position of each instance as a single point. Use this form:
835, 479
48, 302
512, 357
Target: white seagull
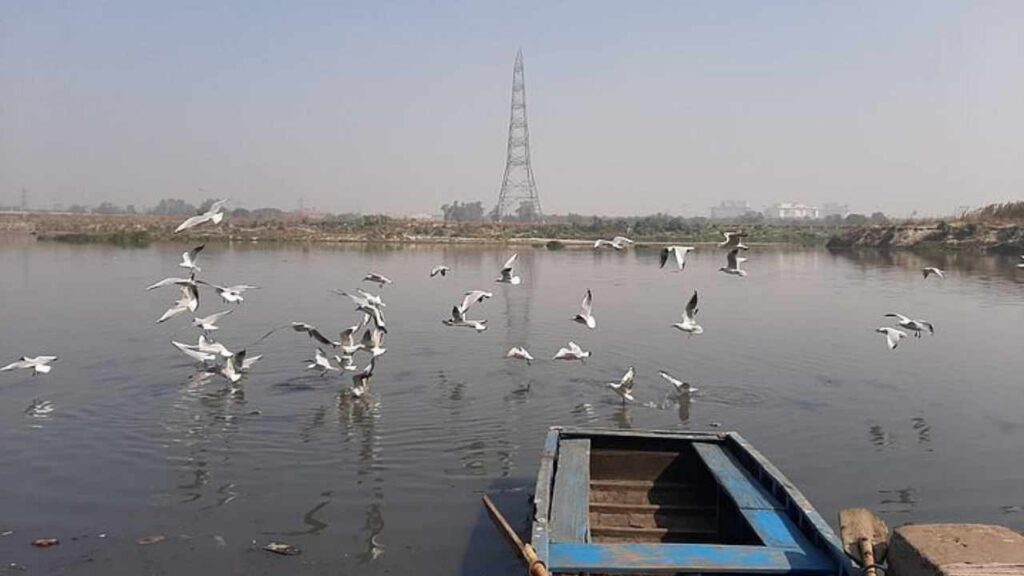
507, 275
380, 279
190, 281
459, 319
932, 270
1021, 265
346, 362
520, 353
37, 364
915, 326
573, 352
212, 347
733, 262
209, 323
347, 340
586, 316
689, 323
892, 336
619, 243
243, 363
372, 298
189, 301
188, 259
732, 240
679, 252
230, 294
624, 387
680, 386
193, 353
214, 214
361, 381
321, 362
473, 297
440, 269
373, 341
314, 333
369, 309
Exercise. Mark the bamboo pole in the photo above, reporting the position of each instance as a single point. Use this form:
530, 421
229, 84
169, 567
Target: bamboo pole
534, 565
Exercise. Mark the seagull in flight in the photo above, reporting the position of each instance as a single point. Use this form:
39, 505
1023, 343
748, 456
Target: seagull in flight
369, 309
689, 323
507, 276
915, 326
320, 362
618, 243
586, 316
573, 352
314, 333
189, 301
624, 387
194, 353
230, 294
209, 323
243, 363
347, 340
37, 364
346, 362
190, 281
380, 279
361, 381
214, 214
459, 319
926, 272
733, 261
732, 240
679, 252
520, 353
212, 347
892, 336
373, 341
680, 386
188, 259
440, 269
372, 298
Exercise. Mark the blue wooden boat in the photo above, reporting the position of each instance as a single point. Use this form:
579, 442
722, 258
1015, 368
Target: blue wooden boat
654, 502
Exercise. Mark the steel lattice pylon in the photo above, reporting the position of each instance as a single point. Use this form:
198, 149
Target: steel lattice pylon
518, 188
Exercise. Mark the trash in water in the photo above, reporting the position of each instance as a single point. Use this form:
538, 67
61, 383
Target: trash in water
45, 542
146, 540
282, 548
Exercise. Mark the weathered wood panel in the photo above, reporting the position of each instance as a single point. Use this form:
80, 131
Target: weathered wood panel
674, 558
744, 489
570, 499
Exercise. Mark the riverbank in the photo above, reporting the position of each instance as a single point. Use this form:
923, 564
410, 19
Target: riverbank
956, 236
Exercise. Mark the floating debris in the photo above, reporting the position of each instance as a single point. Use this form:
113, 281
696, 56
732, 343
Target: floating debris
6, 533
282, 548
45, 542
220, 541
147, 540
716, 424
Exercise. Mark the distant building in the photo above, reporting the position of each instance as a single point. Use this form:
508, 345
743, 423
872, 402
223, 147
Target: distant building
424, 217
833, 209
792, 211
731, 210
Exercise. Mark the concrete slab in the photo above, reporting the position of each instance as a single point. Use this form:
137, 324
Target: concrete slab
955, 550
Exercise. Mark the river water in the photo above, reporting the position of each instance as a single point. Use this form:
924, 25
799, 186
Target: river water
134, 448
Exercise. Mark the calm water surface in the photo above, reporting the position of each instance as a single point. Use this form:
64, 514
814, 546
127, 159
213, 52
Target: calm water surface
932, 431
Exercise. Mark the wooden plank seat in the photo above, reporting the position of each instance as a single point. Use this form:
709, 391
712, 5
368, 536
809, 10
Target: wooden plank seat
571, 495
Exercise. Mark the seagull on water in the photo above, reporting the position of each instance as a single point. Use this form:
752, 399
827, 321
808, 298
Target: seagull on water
507, 276
915, 326
214, 214
689, 323
624, 387
679, 252
321, 362
733, 262
573, 352
619, 243
209, 323
230, 294
892, 336
314, 333
586, 316
520, 353
932, 270
440, 269
361, 381
680, 386
380, 279
732, 240
188, 259
37, 364
189, 301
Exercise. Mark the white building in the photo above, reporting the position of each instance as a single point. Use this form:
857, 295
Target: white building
792, 211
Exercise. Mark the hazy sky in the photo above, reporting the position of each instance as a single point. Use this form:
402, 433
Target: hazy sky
398, 107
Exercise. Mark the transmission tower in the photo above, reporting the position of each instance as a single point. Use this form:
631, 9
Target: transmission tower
517, 187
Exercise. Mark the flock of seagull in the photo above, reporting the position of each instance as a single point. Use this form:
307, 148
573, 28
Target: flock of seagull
213, 358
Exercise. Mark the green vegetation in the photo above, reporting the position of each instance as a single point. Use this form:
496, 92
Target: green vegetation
122, 238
